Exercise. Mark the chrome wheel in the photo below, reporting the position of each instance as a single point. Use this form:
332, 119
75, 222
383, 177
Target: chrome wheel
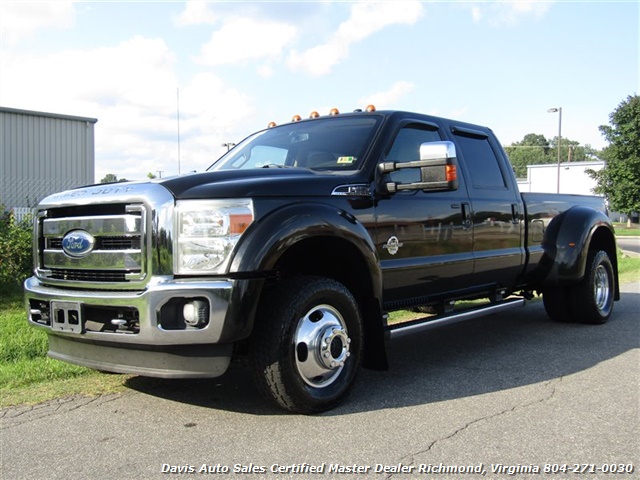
592, 299
602, 289
321, 344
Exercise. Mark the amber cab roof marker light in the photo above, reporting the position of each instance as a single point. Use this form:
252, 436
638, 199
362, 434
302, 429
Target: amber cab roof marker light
314, 114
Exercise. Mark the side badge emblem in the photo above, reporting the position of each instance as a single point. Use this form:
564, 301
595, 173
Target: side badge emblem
393, 245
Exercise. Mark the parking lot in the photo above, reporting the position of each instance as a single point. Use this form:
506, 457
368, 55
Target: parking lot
509, 396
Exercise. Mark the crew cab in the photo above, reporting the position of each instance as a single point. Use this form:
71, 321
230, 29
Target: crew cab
295, 246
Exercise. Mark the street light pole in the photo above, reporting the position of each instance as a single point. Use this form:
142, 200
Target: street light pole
229, 145
559, 110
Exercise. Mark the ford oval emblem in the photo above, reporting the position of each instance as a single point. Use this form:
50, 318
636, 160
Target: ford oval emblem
78, 243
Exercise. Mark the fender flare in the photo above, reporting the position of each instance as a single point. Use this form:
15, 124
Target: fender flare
270, 237
259, 250
569, 237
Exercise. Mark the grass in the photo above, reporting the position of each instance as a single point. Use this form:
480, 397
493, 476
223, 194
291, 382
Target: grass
628, 269
28, 376
624, 231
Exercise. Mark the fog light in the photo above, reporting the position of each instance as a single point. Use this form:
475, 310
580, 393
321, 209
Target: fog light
196, 313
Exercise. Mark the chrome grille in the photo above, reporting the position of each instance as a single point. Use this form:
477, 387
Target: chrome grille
87, 276
118, 253
104, 243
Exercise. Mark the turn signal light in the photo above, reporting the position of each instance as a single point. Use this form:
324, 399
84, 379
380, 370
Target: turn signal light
451, 173
239, 222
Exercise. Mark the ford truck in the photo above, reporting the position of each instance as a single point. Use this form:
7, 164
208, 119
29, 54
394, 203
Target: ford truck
294, 247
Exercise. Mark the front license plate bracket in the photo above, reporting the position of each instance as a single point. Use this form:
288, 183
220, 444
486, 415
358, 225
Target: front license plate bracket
66, 317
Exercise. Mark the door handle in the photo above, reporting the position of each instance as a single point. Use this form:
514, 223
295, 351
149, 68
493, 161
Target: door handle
515, 214
466, 216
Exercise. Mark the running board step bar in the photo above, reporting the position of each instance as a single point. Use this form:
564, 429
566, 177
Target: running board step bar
423, 324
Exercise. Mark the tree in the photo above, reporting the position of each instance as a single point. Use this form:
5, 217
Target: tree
619, 181
535, 149
531, 150
111, 178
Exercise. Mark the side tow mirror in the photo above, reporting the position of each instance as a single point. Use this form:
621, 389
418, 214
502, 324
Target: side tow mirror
438, 169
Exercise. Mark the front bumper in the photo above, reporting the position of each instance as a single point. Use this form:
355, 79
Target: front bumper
142, 333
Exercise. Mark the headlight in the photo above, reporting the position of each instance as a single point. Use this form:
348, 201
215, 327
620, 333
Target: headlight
207, 232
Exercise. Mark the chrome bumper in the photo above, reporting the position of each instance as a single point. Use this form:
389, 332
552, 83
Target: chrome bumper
143, 337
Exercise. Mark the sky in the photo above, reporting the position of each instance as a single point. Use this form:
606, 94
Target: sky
171, 82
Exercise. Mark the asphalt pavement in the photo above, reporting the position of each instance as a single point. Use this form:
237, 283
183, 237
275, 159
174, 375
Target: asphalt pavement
630, 245
513, 395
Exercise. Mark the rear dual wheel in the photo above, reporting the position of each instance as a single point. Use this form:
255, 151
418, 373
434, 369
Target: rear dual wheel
307, 344
591, 300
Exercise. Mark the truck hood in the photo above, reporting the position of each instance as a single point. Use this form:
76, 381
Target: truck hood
259, 182
267, 182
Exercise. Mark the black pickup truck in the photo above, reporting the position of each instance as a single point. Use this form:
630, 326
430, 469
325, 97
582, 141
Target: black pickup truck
294, 247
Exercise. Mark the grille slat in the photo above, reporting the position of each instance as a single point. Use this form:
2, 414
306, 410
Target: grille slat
87, 276
102, 243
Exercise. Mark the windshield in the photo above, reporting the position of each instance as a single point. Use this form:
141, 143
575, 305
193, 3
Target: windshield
335, 144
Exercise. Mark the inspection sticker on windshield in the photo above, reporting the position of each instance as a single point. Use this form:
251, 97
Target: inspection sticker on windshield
346, 160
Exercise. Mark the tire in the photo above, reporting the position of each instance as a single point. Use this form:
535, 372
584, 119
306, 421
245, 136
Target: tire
306, 348
592, 299
557, 304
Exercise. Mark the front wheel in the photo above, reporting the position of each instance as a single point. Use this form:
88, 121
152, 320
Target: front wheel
592, 299
306, 347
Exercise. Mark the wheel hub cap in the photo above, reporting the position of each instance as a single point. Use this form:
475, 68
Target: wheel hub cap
601, 291
321, 346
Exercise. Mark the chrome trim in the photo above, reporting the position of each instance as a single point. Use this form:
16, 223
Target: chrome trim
357, 190
148, 303
107, 225
121, 260
143, 211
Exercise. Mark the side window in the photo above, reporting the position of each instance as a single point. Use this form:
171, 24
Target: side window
484, 170
406, 148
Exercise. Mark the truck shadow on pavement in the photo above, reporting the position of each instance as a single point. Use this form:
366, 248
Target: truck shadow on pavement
499, 352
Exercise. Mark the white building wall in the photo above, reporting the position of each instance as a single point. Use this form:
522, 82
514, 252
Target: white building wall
573, 178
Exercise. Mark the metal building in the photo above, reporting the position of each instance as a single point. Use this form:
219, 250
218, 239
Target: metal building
43, 153
570, 177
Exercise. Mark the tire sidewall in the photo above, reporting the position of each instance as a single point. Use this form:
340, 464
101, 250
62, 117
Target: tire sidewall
326, 293
584, 302
287, 305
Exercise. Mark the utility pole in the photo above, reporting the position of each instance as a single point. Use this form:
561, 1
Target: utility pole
559, 110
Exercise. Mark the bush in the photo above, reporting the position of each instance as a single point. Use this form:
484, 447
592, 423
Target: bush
16, 259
